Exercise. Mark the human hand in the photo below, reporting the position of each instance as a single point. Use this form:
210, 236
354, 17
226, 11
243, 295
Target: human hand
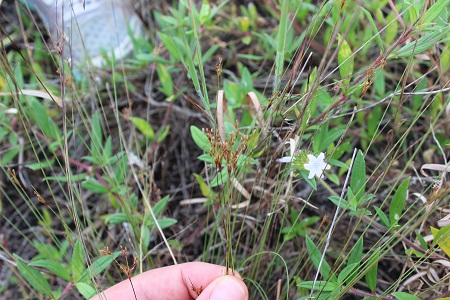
187, 281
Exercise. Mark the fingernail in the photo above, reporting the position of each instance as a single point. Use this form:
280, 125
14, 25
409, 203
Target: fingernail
227, 289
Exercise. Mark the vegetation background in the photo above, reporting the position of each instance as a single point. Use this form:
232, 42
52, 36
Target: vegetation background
173, 154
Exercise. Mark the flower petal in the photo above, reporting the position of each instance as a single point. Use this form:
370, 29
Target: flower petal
285, 159
311, 157
292, 145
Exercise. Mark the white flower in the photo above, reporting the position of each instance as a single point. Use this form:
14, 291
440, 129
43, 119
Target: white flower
316, 166
292, 144
11, 111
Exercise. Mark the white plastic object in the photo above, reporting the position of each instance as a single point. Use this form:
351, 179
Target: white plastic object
88, 27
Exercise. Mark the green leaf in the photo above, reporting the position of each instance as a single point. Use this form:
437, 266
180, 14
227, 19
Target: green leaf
205, 12
336, 199
121, 170
204, 188
33, 277
41, 165
86, 290
145, 236
435, 10
96, 135
376, 34
340, 150
162, 133
371, 275
324, 286
46, 124
107, 149
94, 186
112, 159
165, 79
73, 178
404, 296
348, 274
77, 262
144, 127
206, 157
345, 61
422, 241
383, 218
312, 182
115, 219
209, 53
98, 266
331, 136
9, 155
221, 178
358, 177
55, 267
173, 44
398, 202
315, 256
442, 238
159, 207
281, 44
355, 255
337, 163
166, 222
422, 44
200, 139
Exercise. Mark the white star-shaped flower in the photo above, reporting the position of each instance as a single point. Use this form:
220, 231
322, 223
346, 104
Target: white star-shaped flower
292, 144
316, 165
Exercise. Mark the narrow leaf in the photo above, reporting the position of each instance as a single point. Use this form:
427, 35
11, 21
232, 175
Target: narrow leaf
46, 125
159, 207
221, 178
324, 286
166, 222
355, 255
442, 238
94, 186
315, 256
398, 202
98, 266
41, 165
383, 218
376, 34
73, 178
53, 266
405, 296
424, 43
165, 79
348, 274
371, 275
96, 135
162, 133
435, 10
345, 60
33, 277
86, 290
144, 127
200, 139
77, 262
117, 218
204, 188
358, 177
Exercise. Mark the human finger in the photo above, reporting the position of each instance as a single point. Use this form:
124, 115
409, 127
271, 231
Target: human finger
184, 282
225, 288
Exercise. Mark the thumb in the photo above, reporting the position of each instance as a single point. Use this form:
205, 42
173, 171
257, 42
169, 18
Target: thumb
225, 288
